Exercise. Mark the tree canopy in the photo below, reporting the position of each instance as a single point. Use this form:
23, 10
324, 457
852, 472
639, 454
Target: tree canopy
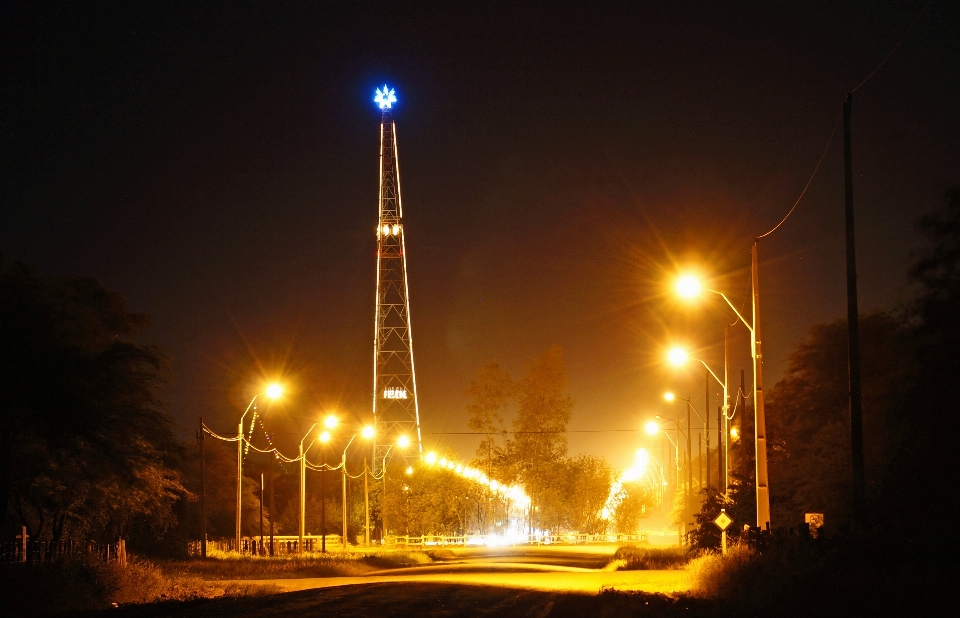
85, 447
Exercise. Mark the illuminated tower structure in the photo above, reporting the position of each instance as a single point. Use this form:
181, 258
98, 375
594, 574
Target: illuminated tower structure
395, 410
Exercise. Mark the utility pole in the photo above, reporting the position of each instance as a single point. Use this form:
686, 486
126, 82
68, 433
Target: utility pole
853, 327
745, 459
323, 503
706, 422
203, 495
720, 447
343, 503
759, 421
261, 513
272, 481
726, 408
366, 504
689, 461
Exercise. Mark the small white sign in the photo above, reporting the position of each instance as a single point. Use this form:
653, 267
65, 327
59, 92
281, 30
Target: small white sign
394, 393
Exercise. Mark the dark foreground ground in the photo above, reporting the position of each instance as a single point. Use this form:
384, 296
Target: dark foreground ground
405, 599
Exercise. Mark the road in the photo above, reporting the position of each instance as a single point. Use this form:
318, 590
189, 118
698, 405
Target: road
554, 582
550, 568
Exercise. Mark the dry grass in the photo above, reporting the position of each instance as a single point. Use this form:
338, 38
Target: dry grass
222, 565
631, 558
713, 575
79, 584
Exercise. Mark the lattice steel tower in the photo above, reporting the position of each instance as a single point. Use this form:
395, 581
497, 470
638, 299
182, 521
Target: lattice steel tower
395, 410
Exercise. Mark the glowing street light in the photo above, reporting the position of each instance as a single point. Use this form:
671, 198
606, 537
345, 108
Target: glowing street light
431, 458
689, 286
367, 432
403, 441
677, 356
272, 391
330, 422
669, 396
652, 428
385, 98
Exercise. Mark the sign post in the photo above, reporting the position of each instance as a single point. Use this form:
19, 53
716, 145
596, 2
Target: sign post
723, 521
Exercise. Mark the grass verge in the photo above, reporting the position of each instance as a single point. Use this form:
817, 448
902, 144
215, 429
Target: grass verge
77, 584
632, 558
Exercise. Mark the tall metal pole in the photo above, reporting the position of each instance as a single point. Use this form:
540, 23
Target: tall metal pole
343, 507
261, 513
720, 445
853, 328
706, 423
366, 505
745, 457
239, 481
689, 461
726, 409
272, 480
303, 498
323, 503
760, 423
203, 495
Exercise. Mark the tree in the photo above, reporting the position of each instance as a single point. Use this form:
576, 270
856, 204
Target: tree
491, 392
85, 447
922, 494
589, 480
809, 417
539, 443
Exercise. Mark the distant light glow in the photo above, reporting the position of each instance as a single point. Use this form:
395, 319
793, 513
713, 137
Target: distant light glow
403, 441
325, 436
431, 458
669, 396
385, 98
689, 286
409, 470
368, 432
330, 422
652, 428
274, 391
677, 356
734, 433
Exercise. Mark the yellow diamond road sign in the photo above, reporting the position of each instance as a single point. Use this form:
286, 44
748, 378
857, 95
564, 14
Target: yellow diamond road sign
723, 520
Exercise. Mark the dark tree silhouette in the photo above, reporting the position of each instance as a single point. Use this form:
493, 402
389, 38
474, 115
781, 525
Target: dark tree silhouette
84, 444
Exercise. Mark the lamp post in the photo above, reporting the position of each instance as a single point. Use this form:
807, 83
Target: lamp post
690, 287
652, 428
272, 391
330, 422
673, 397
303, 485
367, 433
678, 356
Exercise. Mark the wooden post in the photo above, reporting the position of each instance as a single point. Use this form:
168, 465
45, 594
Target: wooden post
23, 543
203, 496
261, 514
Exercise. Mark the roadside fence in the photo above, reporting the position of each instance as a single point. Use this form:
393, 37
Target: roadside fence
41, 552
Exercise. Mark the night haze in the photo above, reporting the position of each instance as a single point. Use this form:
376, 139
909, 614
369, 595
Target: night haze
561, 166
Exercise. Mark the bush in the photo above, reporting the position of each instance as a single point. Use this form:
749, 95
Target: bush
78, 583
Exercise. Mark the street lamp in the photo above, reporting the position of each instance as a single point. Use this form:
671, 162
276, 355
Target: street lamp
678, 356
367, 433
303, 484
671, 397
676, 459
688, 287
273, 391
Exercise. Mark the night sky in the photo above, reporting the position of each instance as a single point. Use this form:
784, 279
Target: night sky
217, 164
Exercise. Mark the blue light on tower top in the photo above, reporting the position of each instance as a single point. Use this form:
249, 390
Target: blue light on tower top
385, 98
